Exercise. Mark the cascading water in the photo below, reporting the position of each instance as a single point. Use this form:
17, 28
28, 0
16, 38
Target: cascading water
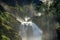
29, 30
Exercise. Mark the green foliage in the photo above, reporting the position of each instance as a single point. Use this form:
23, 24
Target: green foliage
5, 37
58, 27
7, 29
55, 10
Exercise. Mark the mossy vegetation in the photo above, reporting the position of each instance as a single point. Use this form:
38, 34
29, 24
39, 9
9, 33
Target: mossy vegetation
7, 30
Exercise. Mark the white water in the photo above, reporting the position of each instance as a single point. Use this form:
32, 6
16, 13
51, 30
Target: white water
30, 31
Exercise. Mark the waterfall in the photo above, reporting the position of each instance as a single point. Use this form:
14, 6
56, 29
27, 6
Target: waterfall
29, 30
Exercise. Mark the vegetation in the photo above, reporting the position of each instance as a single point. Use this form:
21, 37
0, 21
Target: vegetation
7, 30
56, 6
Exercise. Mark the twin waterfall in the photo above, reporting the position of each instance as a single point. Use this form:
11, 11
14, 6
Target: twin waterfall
29, 30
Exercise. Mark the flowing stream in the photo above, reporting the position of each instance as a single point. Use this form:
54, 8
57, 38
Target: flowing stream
29, 30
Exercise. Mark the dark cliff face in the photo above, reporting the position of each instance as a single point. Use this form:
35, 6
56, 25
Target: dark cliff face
9, 2
21, 2
2, 9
